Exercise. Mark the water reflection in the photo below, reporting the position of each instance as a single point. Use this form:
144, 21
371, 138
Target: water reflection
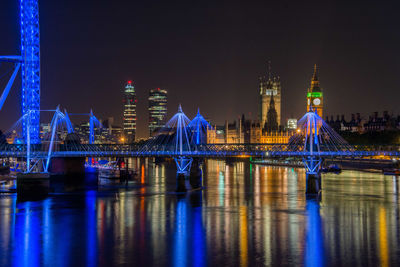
27, 236
383, 241
243, 236
181, 235
91, 239
314, 250
247, 215
198, 245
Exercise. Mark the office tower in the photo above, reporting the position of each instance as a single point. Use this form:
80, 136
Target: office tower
129, 112
157, 109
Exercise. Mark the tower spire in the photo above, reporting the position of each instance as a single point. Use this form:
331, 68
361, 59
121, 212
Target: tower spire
315, 75
272, 102
314, 81
269, 69
271, 123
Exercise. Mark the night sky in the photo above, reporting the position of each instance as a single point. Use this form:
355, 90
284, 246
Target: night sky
209, 54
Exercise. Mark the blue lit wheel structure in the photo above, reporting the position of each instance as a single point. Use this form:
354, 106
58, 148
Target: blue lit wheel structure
30, 53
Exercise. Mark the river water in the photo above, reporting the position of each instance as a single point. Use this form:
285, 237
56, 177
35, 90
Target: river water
246, 215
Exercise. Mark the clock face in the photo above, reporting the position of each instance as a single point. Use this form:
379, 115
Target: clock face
316, 101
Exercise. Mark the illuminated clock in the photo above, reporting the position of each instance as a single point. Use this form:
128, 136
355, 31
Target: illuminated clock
316, 101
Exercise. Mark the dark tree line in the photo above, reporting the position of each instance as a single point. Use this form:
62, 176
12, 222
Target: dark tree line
372, 138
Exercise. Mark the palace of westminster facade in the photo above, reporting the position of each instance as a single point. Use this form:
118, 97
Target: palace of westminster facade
268, 129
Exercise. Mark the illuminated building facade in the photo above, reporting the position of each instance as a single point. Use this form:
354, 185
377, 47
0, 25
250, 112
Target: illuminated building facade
291, 124
269, 86
216, 135
236, 132
272, 132
157, 109
315, 99
129, 112
230, 133
261, 136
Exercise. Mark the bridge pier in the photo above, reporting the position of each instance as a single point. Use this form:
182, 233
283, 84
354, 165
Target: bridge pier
33, 184
73, 166
183, 165
192, 179
182, 183
313, 174
196, 174
313, 183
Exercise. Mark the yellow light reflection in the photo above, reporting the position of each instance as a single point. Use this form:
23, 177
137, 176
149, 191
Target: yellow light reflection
142, 175
383, 241
243, 236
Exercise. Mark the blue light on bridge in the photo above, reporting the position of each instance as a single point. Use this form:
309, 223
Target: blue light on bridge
198, 128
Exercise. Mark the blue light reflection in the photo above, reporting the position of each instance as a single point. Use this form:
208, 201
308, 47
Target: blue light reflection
314, 250
91, 229
180, 242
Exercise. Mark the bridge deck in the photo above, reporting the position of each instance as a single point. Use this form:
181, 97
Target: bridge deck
207, 151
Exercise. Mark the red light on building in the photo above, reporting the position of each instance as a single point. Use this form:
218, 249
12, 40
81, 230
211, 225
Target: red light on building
129, 82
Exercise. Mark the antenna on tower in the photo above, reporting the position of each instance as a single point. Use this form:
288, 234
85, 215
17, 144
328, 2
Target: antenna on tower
269, 69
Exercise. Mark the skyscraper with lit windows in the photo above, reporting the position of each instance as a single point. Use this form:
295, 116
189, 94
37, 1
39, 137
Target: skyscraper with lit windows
129, 112
157, 109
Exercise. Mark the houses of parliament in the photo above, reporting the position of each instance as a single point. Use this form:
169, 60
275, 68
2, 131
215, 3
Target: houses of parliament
268, 129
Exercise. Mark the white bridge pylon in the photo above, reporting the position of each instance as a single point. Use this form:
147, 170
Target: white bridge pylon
180, 138
315, 137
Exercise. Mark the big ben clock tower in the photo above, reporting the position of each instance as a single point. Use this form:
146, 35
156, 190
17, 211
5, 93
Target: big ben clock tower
315, 99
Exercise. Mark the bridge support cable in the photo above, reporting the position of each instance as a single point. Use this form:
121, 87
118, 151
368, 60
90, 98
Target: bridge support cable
53, 126
93, 122
38, 156
68, 122
198, 128
176, 139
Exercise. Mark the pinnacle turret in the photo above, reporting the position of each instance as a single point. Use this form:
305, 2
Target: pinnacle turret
314, 81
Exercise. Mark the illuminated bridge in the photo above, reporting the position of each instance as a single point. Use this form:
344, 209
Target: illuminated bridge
180, 139
184, 140
203, 151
